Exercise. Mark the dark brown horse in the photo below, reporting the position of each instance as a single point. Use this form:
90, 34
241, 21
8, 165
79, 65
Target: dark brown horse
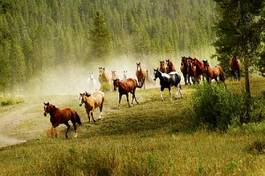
215, 73
163, 67
170, 66
235, 68
140, 74
61, 116
125, 87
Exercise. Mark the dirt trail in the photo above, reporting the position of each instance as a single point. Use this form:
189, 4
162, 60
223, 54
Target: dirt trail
10, 120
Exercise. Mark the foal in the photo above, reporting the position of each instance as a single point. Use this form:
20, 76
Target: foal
92, 102
61, 116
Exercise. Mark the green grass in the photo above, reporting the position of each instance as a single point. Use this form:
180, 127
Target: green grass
5, 101
152, 138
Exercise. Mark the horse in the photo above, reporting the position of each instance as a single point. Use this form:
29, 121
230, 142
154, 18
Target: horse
235, 68
92, 102
162, 67
214, 73
61, 116
170, 66
167, 81
198, 68
124, 74
103, 78
125, 87
93, 83
184, 68
140, 74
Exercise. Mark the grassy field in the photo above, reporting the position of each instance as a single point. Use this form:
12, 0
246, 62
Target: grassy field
152, 138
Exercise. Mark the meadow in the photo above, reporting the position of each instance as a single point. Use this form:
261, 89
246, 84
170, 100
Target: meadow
153, 138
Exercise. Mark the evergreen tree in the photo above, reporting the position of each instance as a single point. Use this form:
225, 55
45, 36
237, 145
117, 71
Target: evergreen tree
100, 37
238, 34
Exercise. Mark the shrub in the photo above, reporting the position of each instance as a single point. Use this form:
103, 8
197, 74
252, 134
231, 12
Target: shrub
105, 87
215, 107
5, 101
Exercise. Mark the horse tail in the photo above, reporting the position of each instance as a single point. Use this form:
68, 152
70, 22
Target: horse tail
222, 74
77, 118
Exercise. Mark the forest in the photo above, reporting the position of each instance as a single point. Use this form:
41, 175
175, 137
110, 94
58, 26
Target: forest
38, 35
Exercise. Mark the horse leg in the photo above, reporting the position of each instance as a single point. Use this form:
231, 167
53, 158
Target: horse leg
100, 110
92, 116
88, 115
74, 124
135, 97
127, 96
161, 93
120, 98
68, 127
170, 94
185, 79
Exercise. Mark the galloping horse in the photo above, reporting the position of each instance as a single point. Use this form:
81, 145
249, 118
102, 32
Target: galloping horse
141, 75
163, 67
92, 102
184, 68
167, 81
198, 69
125, 87
61, 116
214, 73
170, 66
235, 68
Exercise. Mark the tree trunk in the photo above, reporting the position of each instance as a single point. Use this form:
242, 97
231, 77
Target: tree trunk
248, 93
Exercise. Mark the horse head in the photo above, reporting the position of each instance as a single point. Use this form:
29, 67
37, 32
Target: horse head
48, 108
206, 65
116, 84
138, 66
82, 97
157, 74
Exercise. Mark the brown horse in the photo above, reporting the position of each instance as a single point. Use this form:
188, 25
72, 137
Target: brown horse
214, 73
61, 116
125, 87
92, 102
198, 68
163, 67
170, 66
140, 74
102, 77
235, 68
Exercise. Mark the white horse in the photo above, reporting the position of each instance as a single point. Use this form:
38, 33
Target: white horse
93, 84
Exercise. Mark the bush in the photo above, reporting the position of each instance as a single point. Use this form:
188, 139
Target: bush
215, 107
5, 101
105, 87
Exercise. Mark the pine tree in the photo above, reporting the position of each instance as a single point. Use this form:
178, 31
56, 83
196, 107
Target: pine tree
238, 34
100, 37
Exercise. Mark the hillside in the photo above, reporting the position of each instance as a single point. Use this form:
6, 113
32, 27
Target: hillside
39, 35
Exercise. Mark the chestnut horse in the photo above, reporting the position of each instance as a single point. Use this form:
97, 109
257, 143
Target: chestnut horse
61, 116
235, 68
163, 67
125, 87
141, 75
198, 69
215, 73
92, 102
170, 66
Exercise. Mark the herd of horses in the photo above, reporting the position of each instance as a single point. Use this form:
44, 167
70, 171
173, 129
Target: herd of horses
192, 69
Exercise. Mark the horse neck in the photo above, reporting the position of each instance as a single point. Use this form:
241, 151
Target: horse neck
53, 111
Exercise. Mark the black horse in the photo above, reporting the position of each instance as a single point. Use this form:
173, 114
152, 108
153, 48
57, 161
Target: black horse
167, 81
